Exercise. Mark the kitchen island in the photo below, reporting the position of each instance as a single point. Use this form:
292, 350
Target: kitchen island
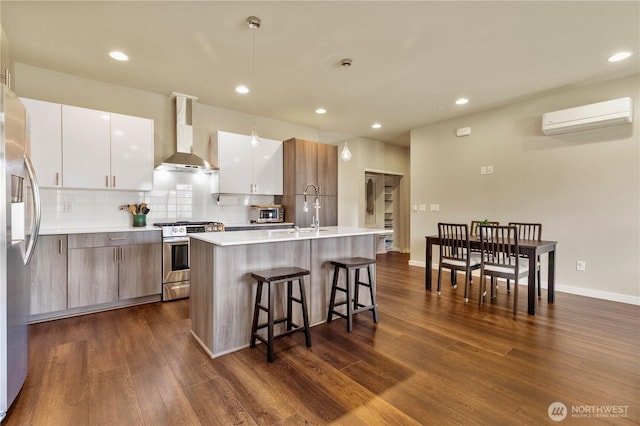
223, 292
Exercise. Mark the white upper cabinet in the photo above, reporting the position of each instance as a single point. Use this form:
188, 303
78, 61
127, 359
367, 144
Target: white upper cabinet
45, 133
86, 135
131, 152
245, 169
75, 147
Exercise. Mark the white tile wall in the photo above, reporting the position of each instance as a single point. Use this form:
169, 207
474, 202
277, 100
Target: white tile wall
175, 196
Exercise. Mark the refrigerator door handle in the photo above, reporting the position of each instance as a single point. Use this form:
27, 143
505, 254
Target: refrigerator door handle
35, 230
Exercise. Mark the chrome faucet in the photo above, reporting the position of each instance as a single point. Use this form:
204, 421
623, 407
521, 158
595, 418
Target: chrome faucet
315, 221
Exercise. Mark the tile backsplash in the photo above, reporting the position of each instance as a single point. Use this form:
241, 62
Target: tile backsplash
175, 196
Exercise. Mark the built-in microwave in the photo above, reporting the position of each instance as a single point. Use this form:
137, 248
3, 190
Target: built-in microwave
266, 213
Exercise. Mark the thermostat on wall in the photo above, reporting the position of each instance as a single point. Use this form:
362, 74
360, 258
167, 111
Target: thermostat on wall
463, 131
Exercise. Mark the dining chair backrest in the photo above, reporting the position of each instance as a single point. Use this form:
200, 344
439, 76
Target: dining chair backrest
500, 245
454, 241
475, 224
528, 231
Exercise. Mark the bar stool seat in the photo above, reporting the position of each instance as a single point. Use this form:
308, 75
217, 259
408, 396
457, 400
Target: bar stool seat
353, 304
278, 276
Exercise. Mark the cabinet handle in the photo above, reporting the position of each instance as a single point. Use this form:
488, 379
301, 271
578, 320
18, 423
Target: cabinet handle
117, 238
59, 246
106, 181
57, 179
121, 253
113, 184
115, 254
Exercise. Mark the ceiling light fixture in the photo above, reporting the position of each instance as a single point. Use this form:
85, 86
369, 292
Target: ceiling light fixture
254, 23
118, 56
242, 89
345, 64
321, 111
462, 101
376, 125
620, 56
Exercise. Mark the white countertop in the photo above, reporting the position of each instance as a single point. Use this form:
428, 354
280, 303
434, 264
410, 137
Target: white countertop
94, 229
278, 235
257, 225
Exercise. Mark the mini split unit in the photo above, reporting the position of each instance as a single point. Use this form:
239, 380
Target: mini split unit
586, 117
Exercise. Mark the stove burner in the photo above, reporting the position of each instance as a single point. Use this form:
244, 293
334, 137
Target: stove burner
186, 223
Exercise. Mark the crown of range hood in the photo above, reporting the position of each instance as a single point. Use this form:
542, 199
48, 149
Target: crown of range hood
184, 159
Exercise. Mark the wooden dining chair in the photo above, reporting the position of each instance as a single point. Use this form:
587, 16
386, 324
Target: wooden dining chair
529, 231
455, 254
475, 224
499, 259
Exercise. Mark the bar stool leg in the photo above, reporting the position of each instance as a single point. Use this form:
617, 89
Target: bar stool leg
305, 312
289, 307
349, 305
256, 314
356, 289
336, 271
373, 295
270, 325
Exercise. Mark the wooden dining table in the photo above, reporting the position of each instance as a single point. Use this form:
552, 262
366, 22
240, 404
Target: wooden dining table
530, 248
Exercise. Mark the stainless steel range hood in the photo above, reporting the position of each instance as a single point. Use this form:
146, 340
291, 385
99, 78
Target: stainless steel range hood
184, 159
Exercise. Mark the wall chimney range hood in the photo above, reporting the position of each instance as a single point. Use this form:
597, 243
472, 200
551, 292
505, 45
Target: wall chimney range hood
184, 159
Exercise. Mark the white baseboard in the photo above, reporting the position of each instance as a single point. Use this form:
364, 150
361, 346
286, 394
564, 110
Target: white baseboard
562, 288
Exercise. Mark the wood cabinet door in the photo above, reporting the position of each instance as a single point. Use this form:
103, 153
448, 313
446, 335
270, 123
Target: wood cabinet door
86, 135
306, 164
140, 270
45, 134
328, 169
48, 269
131, 153
92, 276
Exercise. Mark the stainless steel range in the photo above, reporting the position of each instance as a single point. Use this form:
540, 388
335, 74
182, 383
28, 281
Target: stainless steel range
175, 255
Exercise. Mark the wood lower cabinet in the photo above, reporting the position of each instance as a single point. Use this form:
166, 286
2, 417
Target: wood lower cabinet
93, 276
140, 270
108, 267
48, 269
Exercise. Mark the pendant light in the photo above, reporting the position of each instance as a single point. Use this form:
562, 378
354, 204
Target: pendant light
254, 23
345, 63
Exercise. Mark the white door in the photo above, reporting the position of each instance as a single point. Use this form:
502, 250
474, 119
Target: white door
267, 167
131, 153
235, 162
45, 130
85, 150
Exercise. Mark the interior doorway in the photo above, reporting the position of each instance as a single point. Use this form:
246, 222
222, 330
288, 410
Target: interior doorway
382, 201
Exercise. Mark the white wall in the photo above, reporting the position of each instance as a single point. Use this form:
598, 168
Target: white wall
369, 154
583, 187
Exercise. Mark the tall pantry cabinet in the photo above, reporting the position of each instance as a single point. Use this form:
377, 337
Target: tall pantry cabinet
307, 162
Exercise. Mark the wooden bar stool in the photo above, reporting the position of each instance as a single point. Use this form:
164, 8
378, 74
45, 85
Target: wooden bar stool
349, 264
278, 276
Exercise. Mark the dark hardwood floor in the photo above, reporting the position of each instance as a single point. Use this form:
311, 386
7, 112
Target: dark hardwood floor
430, 360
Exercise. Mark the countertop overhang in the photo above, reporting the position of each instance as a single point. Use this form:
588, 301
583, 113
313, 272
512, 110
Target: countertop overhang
279, 235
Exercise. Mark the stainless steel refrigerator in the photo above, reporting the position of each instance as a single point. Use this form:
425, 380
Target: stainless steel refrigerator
19, 225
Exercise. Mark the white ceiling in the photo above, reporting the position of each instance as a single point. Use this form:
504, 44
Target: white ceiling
411, 60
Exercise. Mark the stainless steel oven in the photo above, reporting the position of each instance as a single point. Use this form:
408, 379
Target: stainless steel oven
175, 255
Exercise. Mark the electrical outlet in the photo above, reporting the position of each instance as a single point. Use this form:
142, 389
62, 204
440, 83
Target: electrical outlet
483, 170
434, 207
422, 207
581, 265
489, 170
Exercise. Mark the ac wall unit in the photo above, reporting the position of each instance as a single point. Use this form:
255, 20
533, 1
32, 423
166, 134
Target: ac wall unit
601, 114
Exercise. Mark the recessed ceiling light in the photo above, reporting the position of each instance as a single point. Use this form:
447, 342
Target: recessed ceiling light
242, 89
619, 56
376, 125
462, 101
118, 56
321, 111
